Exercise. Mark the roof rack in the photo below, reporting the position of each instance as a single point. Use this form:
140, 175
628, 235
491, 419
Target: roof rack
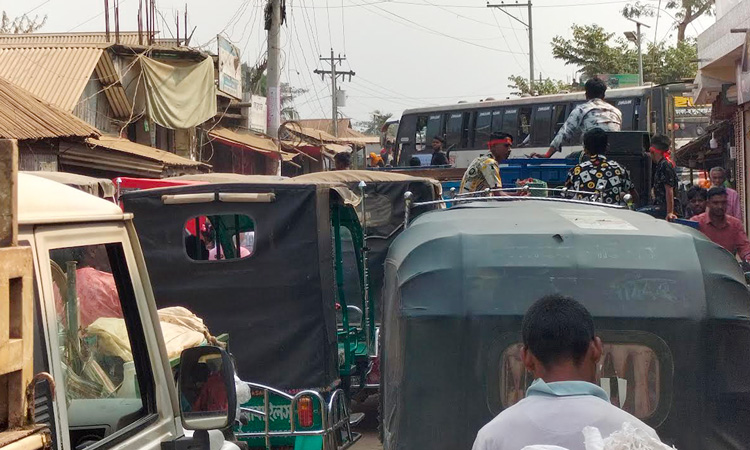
485, 196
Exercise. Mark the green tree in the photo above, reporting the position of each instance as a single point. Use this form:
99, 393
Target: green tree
682, 12
520, 86
597, 52
254, 81
21, 24
375, 123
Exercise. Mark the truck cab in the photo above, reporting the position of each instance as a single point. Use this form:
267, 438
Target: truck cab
96, 328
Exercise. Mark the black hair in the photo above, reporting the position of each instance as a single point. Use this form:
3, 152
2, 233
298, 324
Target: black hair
439, 138
556, 328
414, 162
501, 135
595, 141
714, 191
193, 245
595, 88
697, 191
343, 158
660, 142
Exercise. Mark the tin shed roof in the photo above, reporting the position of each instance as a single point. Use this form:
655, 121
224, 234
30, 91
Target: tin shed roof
24, 116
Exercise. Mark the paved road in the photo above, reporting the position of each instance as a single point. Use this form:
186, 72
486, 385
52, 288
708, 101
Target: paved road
369, 425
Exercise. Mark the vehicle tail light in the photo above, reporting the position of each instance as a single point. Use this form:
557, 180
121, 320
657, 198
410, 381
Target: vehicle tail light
305, 412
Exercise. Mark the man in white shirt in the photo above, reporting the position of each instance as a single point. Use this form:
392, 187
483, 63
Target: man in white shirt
561, 349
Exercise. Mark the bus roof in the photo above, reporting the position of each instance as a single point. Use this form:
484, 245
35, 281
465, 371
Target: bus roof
520, 101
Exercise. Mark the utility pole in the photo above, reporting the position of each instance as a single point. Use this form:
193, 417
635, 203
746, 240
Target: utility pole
638, 43
273, 75
334, 74
529, 26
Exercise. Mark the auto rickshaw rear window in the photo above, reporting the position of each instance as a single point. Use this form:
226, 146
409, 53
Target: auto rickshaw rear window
630, 374
219, 237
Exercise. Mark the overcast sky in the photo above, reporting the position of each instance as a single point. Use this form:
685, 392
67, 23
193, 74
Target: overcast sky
406, 53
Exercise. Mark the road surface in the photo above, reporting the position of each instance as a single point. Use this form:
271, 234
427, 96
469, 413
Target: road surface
369, 425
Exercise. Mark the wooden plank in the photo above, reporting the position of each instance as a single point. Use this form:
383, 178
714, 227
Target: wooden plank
16, 332
8, 192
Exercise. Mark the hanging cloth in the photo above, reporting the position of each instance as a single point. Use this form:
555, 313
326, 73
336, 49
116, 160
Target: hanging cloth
179, 97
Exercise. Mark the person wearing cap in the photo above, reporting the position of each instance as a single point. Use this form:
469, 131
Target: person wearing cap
439, 157
484, 171
595, 113
664, 181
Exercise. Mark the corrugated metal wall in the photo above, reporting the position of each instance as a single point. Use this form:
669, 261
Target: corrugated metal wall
39, 155
94, 108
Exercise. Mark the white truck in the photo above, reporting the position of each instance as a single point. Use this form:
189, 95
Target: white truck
113, 385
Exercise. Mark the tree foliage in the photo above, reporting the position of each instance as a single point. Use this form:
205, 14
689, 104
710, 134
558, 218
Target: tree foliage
255, 82
21, 24
681, 12
596, 52
373, 125
520, 86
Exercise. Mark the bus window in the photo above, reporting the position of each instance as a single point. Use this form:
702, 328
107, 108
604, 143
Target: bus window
483, 128
465, 128
434, 127
453, 130
497, 120
627, 108
542, 125
510, 123
558, 118
524, 124
421, 139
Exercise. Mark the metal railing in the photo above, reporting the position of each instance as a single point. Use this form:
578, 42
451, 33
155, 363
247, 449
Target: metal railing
485, 196
334, 418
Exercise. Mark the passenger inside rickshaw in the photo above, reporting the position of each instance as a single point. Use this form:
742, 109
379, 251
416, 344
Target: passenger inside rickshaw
219, 237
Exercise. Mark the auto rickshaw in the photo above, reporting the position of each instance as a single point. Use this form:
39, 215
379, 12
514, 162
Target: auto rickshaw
383, 207
263, 261
671, 307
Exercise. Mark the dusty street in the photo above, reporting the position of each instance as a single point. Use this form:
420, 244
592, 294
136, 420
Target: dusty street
369, 425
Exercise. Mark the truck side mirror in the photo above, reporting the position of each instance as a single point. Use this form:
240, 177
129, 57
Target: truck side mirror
206, 388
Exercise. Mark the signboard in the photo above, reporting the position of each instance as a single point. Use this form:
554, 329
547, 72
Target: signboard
230, 68
686, 107
619, 80
257, 116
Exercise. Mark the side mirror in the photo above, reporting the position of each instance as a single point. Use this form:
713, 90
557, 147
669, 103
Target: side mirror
206, 388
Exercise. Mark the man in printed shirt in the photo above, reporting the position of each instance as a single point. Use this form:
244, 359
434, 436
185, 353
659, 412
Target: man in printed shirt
606, 180
595, 113
484, 171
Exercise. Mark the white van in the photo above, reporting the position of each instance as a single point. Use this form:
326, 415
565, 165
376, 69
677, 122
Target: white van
97, 332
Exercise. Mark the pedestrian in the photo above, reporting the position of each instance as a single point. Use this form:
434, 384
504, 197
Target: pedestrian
605, 179
414, 162
595, 113
342, 161
376, 160
718, 177
439, 157
720, 227
562, 351
697, 198
664, 181
484, 170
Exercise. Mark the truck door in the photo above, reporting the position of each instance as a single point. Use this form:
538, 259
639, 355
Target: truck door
103, 341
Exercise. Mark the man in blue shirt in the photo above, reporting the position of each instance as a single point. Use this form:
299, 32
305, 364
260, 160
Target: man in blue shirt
561, 349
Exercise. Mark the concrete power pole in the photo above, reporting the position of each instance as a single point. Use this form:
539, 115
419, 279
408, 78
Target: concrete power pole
273, 74
529, 26
334, 74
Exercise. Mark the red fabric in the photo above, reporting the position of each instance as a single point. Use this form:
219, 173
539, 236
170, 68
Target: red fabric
97, 296
667, 154
213, 395
730, 234
508, 141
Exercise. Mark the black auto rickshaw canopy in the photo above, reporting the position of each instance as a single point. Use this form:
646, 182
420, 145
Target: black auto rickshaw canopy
273, 291
671, 307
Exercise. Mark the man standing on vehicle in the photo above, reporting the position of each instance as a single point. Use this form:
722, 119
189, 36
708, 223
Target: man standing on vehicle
561, 349
718, 176
664, 181
722, 228
342, 161
439, 157
595, 113
606, 180
484, 171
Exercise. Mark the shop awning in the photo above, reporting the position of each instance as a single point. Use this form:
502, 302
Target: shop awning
695, 152
250, 141
127, 158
